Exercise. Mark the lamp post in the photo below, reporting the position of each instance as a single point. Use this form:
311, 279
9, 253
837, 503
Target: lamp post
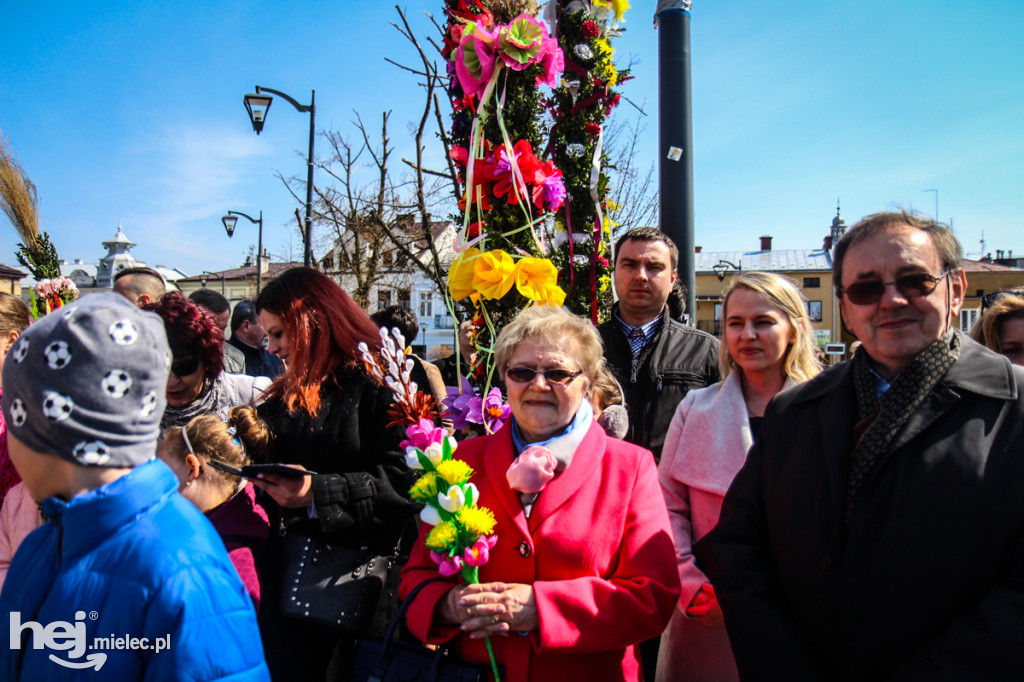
229, 225
205, 277
258, 105
722, 267
936, 202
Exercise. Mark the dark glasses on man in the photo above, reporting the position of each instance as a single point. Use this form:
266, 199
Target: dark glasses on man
184, 367
989, 300
914, 285
524, 375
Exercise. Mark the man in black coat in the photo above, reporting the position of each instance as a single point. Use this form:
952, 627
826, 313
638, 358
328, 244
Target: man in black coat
656, 359
247, 337
876, 531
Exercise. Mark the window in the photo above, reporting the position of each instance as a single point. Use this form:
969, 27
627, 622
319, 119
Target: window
405, 299
718, 319
812, 282
426, 304
383, 299
968, 317
814, 311
327, 263
386, 259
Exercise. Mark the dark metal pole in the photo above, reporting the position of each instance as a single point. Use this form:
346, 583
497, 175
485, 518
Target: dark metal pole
259, 258
307, 258
675, 133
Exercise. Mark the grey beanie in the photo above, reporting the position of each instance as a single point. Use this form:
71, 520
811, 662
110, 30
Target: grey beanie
88, 382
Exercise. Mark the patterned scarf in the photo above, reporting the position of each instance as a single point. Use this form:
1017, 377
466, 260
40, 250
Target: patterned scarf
881, 419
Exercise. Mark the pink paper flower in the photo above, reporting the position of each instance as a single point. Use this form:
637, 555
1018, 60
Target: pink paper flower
446, 565
553, 63
474, 59
422, 435
480, 553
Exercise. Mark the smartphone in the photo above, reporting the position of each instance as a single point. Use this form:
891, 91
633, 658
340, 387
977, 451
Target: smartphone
253, 470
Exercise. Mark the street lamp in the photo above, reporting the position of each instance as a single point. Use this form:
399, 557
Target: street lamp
722, 266
229, 225
205, 277
258, 105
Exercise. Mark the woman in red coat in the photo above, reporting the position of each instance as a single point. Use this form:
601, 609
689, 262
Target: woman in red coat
584, 564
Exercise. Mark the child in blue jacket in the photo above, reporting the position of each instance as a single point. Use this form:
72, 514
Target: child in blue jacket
126, 580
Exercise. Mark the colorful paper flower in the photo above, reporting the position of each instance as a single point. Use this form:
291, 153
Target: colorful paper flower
590, 29
474, 59
491, 411
477, 520
461, 276
534, 276
446, 565
520, 42
552, 64
480, 552
422, 434
453, 500
492, 274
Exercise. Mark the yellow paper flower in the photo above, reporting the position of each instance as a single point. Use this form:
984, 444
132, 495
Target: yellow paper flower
425, 488
454, 472
535, 277
603, 282
555, 296
441, 536
460, 276
619, 7
493, 274
477, 520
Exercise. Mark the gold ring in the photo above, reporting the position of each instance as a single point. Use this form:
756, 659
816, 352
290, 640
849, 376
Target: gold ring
495, 620
469, 611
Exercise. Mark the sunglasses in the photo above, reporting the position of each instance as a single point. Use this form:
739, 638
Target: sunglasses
184, 367
524, 375
916, 285
989, 300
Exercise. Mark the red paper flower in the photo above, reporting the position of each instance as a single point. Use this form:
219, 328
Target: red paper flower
590, 29
592, 129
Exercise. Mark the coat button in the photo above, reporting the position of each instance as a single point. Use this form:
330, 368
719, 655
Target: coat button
826, 562
524, 549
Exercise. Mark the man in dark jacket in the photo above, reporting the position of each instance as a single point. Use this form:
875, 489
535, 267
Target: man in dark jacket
247, 337
876, 531
656, 359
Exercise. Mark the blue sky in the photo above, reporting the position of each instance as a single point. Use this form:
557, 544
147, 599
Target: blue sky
132, 111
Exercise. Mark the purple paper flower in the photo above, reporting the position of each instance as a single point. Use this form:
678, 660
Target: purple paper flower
422, 435
458, 404
490, 411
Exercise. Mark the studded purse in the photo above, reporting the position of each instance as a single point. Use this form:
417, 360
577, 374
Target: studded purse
331, 584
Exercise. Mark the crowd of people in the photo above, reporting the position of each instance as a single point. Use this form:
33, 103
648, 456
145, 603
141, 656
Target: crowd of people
668, 505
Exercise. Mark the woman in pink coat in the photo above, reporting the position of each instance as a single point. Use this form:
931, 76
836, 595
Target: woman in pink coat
767, 347
582, 569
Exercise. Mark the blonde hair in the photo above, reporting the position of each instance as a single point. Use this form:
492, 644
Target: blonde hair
606, 390
14, 314
782, 292
211, 439
986, 330
551, 324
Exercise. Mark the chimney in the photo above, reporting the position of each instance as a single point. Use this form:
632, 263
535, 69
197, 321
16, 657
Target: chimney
697, 249
827, 246
766, 243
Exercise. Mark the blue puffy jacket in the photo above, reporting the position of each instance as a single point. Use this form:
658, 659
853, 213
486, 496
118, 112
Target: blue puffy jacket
132, 560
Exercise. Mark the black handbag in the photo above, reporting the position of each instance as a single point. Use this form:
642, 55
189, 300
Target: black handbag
392, 660
330, 583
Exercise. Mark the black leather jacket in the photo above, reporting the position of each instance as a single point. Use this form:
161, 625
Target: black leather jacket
677, 360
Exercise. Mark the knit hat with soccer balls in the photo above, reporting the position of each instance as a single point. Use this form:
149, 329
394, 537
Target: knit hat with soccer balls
87, 383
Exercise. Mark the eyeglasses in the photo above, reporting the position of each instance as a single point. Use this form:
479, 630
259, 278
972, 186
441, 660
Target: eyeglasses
524, 375
989, 300
916, 285
184, 367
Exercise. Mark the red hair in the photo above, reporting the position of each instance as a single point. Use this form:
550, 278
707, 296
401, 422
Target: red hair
191, 330
324, 328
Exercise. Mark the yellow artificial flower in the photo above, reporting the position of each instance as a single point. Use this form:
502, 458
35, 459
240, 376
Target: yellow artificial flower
603, 282
425, 488
555, 296
535, 276
605, 46
460, 274
441, 536
493, 274
477, 520
454, 472
619, 7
